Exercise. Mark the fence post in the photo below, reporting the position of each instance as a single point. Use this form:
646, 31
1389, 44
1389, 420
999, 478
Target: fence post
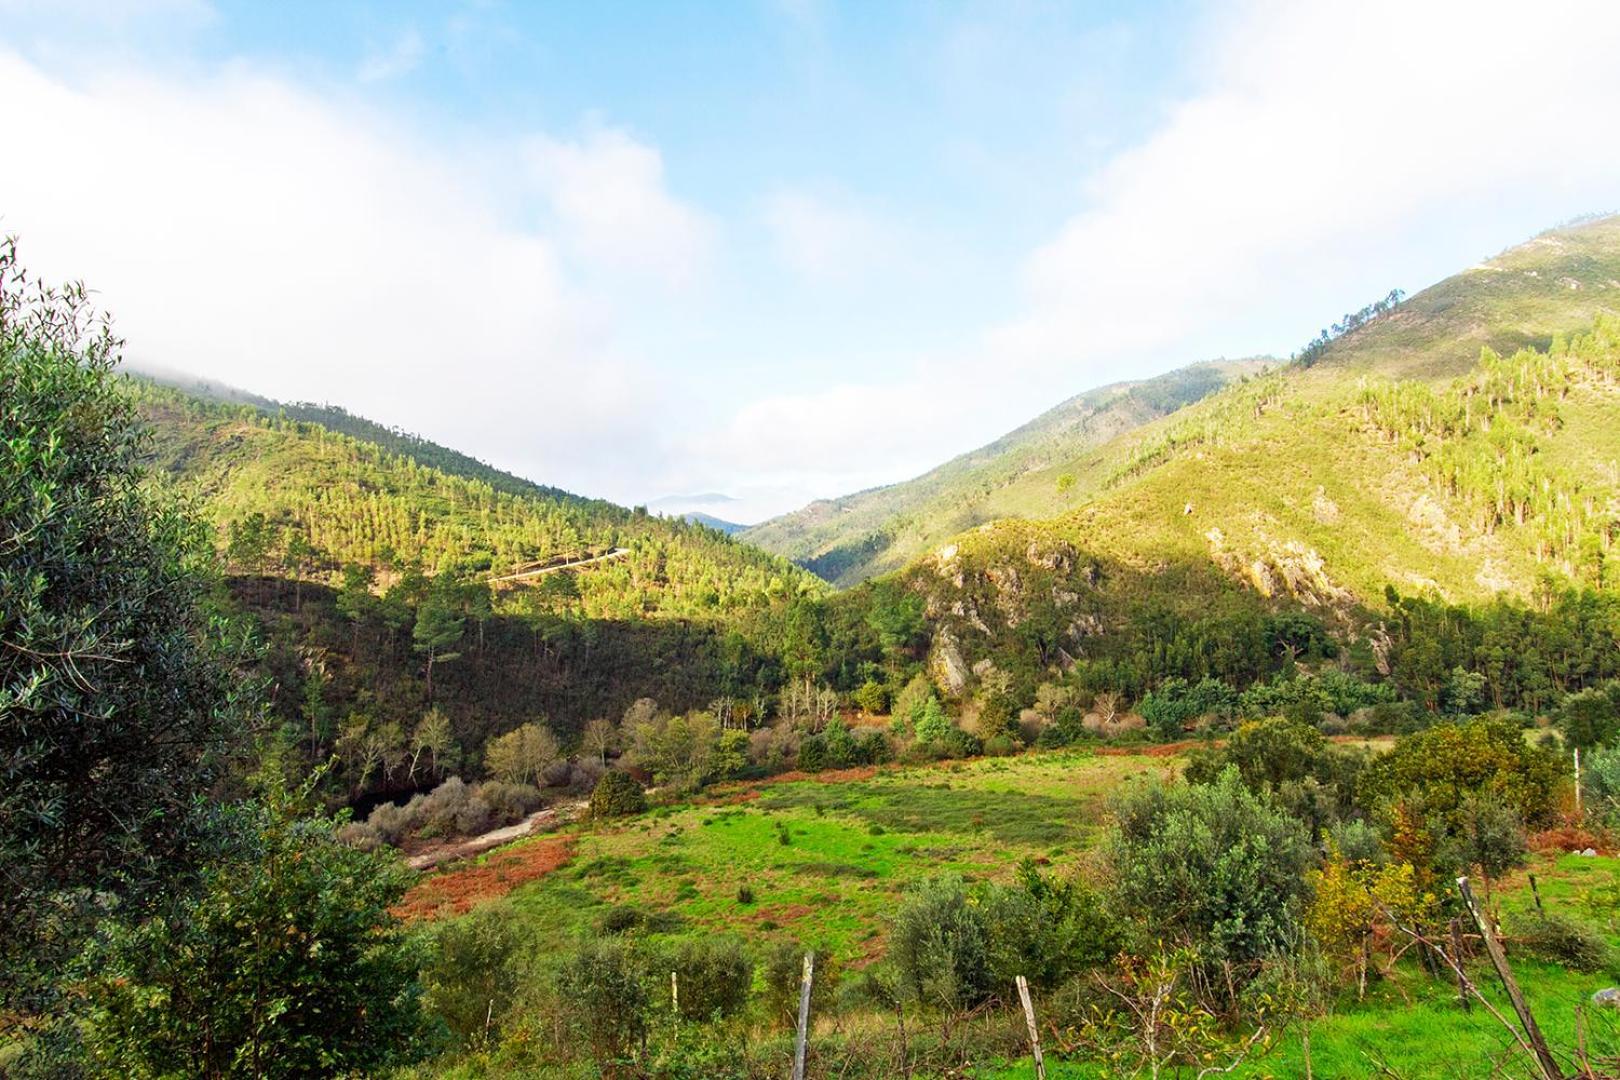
674, 995
1034, 1031
1538, 1044
1457, 954
804, 1015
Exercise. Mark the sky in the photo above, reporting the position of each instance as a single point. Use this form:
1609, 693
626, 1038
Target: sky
772, 250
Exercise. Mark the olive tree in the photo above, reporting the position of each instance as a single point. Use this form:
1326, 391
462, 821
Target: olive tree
118, 698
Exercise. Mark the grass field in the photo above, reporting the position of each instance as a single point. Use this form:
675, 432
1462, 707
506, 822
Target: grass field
827, 859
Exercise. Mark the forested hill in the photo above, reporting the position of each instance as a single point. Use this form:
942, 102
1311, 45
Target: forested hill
356, 493
1029, 472
338, 419
1390, 463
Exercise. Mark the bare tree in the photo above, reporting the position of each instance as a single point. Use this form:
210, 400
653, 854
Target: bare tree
599, 737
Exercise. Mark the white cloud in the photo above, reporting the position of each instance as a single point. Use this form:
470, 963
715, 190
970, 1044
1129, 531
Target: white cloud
399, 57
246, 230
823, 238
1287, 188
608, 190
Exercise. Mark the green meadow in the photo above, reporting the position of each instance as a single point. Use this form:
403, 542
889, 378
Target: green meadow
823, 860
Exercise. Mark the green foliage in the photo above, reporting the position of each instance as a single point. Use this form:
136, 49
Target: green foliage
714, 976
1490, 837
617, 795
929, 721
476, 972
603, 988
1047, 929
1558, 939
1176, 704
1591, 717
781, 976
1289, 761
1600, 783
940, 947
286, 963
1433, 774
119, 701
1211, 866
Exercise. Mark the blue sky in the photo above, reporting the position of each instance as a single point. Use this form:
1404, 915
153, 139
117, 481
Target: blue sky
779, 249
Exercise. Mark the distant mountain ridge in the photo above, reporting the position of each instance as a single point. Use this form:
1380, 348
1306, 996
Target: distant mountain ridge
1032, 471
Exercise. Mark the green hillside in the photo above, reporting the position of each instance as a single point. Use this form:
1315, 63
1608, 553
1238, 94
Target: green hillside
1406, 457
1036, 471
359, 493
356, 547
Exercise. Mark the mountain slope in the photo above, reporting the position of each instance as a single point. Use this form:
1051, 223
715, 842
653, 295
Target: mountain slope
1403, 458
1035, 471
351, 552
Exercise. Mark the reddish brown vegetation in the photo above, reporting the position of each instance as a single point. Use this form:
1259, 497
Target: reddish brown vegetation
1568, 837
457, 890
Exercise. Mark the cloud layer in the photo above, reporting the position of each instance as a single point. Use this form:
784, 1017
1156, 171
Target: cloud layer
549, 298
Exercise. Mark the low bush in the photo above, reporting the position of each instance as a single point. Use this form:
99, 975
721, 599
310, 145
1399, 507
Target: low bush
604, 990
714, 975
476, 972
1560, 940
1214, 867
617, 795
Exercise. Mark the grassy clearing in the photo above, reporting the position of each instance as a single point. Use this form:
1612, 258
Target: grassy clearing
825, 861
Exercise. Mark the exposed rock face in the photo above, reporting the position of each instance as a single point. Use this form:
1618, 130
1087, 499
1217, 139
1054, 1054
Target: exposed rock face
945, 663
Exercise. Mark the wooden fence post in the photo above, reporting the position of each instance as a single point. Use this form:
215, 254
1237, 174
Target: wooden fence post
804, 1015
1538, 1044
1457, 955
674, 994
1034, 1031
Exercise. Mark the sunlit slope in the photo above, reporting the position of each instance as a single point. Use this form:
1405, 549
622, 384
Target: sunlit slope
1298, 489
1038, 470
384, 504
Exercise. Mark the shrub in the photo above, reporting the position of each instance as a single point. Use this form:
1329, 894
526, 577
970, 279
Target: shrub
1290, 761
745, 894
940, 947
782, 970
960, 744
508, 803
872, 697
714, 977
476, 972
603, 988
1600, 782
1046, 929
1176, 703
620, 919
617, 795
1001, 746
1560, 940
1592, 717
1489, 837
1213, 866
287, 954
1433, 772
929, 721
